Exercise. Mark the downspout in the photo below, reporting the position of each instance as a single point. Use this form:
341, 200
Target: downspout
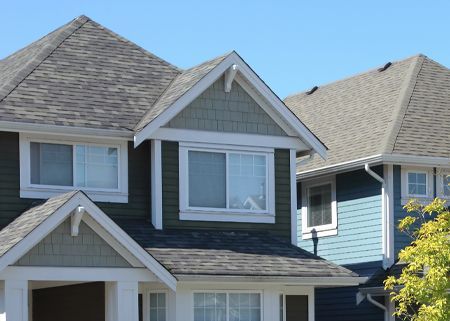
385, 221
378, 305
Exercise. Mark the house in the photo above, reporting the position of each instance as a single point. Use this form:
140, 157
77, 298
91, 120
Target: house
131, 189
387, 131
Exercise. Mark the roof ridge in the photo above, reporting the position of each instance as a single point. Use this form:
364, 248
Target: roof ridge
129, 42
404, 98
41, 55
352, 76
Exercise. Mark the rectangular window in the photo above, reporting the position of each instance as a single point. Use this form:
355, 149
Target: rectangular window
446, 186
158, 306
94, 166
227, 307
319, 208
417, 183
226, 184
52, 165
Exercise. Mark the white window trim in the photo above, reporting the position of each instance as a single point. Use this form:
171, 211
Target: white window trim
225, 215
155, 291
322, 230
404, 188
28, 190
227, 293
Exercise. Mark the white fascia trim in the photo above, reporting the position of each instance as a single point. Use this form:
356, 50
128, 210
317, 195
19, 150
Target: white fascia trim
54, 220
74, 274
395, 159
310, 281
250, 140
251, 77
10, 126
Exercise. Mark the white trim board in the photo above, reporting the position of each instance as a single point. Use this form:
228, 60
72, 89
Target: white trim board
55, 219
248, 74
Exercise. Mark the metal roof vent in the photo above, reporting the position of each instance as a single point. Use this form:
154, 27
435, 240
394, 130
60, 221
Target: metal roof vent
386, 66
312, 90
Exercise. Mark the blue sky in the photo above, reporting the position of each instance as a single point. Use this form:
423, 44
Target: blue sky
292, 45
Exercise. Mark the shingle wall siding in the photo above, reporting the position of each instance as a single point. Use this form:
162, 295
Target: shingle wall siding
11, 205
170, 201
59, 248
359, 221
235, 112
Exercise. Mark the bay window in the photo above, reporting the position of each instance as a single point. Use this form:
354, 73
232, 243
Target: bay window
226, 184
50, 166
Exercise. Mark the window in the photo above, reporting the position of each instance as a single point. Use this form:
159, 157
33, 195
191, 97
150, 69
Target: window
158, 306
442, 183
227, 307
226, 185
50, 166
319, 208
417, 183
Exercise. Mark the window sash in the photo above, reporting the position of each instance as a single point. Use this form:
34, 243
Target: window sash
74, 165
157, 310
325, 206
227, 180
252, 303
416, 184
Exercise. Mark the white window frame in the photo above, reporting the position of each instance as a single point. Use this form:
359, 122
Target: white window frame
227, 293
440, 173
154, 291
225, 214
405, 190
29, 190
321, 230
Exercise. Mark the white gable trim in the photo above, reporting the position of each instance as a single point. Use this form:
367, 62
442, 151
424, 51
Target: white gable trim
97, 215
249, 75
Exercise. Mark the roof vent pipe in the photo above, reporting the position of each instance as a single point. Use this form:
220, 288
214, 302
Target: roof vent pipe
312, 90
386, 66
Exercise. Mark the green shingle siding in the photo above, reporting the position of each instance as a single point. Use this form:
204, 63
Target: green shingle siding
234, 112
11, 205
359, 221
170, 201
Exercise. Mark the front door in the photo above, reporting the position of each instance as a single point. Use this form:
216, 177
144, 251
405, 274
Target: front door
296, 308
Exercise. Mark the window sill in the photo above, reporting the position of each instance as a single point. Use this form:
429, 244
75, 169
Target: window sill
421, 200
241, 217
96, 196
323, 233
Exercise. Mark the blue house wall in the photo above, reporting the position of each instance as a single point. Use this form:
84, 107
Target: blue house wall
357, 246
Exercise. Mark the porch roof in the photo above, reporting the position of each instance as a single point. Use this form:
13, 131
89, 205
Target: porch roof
229, 253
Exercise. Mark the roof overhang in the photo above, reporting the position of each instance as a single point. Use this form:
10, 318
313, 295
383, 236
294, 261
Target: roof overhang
397, 159
289, 280
95, 218
246, 77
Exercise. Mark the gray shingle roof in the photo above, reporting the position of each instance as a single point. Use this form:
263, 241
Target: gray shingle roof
82, 75
402, 110
229, 253
23, 225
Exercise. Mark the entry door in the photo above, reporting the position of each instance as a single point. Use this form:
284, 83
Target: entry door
296, 308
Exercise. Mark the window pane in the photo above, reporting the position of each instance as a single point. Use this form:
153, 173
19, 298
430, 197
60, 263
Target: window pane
319, 205
97, 167
210, 306
247, 181
157, 307
51, 164
207, 183
417, 184
446, 187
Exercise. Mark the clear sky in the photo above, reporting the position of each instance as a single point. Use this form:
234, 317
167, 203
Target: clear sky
292, 45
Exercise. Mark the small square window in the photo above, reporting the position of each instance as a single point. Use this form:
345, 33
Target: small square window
417, 183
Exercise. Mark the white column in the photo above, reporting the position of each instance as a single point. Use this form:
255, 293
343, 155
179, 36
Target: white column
16, 300
156, 183
122, 301
293, 176
2, 301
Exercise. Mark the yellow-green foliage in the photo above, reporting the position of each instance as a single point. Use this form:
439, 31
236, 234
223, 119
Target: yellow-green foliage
421, 293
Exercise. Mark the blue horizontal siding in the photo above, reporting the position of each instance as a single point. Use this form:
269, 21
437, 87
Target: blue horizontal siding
359, 236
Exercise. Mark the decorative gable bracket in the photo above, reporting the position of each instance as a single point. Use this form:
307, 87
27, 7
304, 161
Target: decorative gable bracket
75, 220
229, 77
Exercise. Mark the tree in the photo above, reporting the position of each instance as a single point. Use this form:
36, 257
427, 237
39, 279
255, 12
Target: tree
421, 292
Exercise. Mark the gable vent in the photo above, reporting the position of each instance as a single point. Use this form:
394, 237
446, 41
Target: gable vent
386, 66
312, 90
